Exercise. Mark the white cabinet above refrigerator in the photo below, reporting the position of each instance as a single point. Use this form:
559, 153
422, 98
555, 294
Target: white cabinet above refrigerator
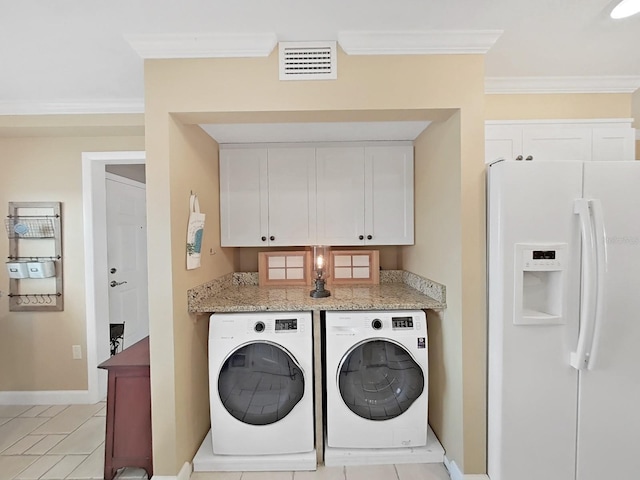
582, 140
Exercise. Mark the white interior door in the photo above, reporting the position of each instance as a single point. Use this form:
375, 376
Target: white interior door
127, 257
609, 416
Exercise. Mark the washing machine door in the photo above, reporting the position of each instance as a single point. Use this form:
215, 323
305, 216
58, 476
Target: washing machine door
379, 379
260, 383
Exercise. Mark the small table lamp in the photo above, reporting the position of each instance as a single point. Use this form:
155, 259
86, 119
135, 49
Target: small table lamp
319, 267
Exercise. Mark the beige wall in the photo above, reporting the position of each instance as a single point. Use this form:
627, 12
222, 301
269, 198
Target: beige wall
635, 113
35, 348
248, 90
390, 256
437, 217
184, 159
558, 106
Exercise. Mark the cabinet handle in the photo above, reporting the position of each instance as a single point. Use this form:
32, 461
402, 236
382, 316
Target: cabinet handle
272, 238
519, 157
529, 158
264, 239
361, 237
369, 237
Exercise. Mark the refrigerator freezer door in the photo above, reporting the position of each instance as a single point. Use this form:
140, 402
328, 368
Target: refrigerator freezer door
532, 388
609, 416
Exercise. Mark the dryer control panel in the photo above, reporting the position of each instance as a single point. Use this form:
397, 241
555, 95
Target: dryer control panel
286, 324
399, 323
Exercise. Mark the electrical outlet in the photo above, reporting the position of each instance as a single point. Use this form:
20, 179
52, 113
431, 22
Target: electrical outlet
76, 351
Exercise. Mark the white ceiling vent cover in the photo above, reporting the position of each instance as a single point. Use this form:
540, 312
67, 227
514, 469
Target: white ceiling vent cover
308, 61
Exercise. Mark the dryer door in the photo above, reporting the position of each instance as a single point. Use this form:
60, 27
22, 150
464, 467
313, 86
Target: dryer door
378, 379
260, 383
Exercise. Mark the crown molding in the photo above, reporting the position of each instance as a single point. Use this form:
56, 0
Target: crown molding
436, 42
602, 84
72, 107
203, 45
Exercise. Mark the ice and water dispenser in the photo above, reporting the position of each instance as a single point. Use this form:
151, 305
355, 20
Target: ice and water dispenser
539, 284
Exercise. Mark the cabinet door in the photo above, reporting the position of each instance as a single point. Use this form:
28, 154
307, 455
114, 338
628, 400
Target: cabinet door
292, 196
243, 197
556, 142
340, 200
389, 195
614, 143
502, 141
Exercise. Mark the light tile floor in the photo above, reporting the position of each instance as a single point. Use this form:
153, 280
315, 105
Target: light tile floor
54, 442
422, 471
66, 442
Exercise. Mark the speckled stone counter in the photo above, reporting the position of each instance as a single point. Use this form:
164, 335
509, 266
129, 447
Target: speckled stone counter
239, 292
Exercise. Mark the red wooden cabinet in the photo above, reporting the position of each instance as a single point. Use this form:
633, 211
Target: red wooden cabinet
128, 433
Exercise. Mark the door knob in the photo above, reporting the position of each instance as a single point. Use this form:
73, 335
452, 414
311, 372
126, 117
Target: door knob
360, 237
272, 238
264, 239
529, 158
115, 284
519, 157
369, 237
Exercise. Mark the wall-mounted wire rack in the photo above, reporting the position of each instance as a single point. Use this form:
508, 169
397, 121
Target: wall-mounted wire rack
30, 227
35, 234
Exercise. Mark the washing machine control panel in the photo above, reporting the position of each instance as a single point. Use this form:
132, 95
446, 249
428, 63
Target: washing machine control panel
286, 324
399, 323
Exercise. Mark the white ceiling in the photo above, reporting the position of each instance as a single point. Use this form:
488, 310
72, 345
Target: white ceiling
73, 53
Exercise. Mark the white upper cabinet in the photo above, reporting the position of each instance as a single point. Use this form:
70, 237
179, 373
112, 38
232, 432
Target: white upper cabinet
365, 195
243, 197
308, 195
291, 176
267, 196
614, 143
559, 140
389, 195
341, 191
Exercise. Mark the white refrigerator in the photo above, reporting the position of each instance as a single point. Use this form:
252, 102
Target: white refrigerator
564, 320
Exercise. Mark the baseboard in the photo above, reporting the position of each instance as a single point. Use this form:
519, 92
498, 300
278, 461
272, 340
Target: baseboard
46, 397
456, 474
183, 474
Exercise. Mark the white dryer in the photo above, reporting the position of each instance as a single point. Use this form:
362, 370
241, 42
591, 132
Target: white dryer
376, 379
261, 383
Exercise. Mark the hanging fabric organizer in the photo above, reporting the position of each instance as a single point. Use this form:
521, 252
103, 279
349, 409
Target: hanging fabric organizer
34, 263
195, 231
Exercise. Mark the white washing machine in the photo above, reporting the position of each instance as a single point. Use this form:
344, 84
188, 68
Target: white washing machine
261, 383
376, 380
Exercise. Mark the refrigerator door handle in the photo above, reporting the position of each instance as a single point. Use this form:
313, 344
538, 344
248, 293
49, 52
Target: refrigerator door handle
601, 267
579, 359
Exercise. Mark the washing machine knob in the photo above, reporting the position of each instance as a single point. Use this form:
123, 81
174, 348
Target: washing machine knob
259, 327
376, 324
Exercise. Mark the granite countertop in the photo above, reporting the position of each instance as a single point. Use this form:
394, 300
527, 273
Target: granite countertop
239, 292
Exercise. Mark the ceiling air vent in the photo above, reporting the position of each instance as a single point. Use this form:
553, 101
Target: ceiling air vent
308, 61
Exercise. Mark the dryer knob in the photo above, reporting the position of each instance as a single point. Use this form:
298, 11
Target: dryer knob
376, 324
259, 327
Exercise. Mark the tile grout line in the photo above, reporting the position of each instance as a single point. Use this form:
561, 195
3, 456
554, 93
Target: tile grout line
395, 468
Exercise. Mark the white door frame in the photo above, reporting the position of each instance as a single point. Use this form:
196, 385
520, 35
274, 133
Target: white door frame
95, 253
